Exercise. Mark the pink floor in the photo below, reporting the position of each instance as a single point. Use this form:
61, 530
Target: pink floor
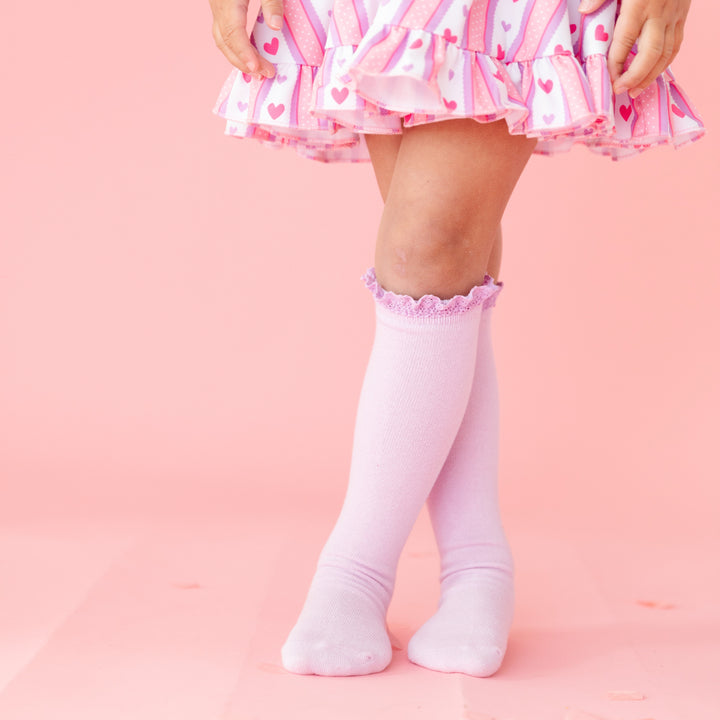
183, 618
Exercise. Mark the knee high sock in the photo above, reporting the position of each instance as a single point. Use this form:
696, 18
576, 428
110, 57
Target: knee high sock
469, 631
412, 401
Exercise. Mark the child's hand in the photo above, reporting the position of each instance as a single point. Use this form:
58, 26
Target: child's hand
229, 23
657, 25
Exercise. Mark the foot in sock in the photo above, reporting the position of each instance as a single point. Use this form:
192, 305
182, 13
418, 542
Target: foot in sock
412, 402
469, 631
341, 629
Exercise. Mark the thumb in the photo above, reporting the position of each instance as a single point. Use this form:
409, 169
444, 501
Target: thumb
273, 9
588, 6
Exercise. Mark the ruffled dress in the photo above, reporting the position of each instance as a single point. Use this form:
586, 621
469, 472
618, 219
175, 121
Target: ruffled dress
349, 67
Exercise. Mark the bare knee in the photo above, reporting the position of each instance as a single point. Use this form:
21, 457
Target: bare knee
450, 185
428, 250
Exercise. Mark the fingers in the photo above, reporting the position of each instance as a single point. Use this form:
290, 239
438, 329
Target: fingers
658, 32
229, 48
627, 29
679, 32
235, 46
663, 61
588, 6
655, 47
232, 40
273, 9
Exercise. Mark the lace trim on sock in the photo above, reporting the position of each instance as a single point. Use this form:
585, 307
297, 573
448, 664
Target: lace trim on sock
485, 295
497, 287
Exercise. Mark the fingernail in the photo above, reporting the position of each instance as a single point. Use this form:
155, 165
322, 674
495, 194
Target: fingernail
252, 65
276, 21
634, 93
619, 89
584, 6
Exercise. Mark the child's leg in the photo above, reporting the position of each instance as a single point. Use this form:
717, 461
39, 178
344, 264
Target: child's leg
411, 404
449, 187
469, 631
416, 386
384, 150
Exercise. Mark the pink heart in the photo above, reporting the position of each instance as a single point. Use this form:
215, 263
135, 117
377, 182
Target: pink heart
573, 27
451, 74
559, 49
260, 19
625, 111
449, 36
546, 85
450, 104
275, 110
600, 33
407, 67
241, 105
677, 110
506, 25
339, 95
500, 53
281, 78
416, 44
272, 47
246, 77
548, 118
499, 76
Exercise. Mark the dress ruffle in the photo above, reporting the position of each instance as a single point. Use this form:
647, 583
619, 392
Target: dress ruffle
432, 305
394, 76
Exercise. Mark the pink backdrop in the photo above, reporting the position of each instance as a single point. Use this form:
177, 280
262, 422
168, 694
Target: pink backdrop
183, 326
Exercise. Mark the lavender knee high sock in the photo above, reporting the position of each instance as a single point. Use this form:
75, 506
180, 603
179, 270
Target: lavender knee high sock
469, 631
412, 401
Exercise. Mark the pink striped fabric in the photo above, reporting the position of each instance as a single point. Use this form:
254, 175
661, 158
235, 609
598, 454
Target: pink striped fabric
349, 67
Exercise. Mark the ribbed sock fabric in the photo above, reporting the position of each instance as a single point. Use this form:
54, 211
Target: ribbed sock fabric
469, 631
412, 401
